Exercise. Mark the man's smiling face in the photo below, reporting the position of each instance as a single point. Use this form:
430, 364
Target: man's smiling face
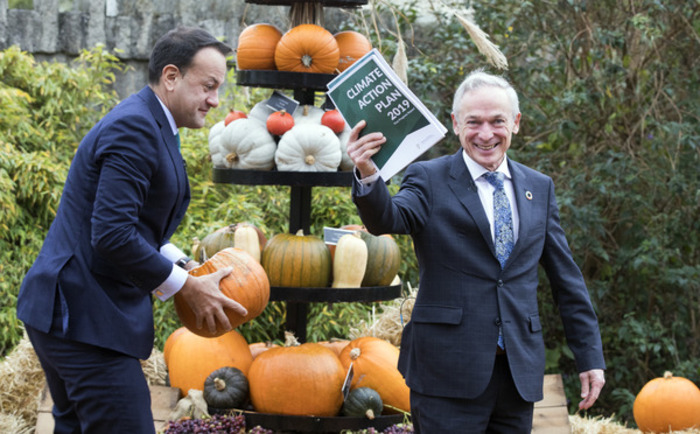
485, 125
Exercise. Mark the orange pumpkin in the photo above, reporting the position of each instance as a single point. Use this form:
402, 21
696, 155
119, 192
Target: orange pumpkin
192, 358
351, 46
297, 260
168, 346
279, 122
247, 284
302, 380
374, 364
335, 344
307, 48
258, 347
256, 46
667, 404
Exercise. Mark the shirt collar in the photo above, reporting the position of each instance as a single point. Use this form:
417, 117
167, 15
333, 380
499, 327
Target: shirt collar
476, 170
171, 120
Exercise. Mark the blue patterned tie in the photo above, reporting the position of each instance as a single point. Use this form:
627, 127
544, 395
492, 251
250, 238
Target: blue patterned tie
502, 217
503, 225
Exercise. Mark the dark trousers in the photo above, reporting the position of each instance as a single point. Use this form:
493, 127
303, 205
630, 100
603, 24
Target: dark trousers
500, 409
95, 390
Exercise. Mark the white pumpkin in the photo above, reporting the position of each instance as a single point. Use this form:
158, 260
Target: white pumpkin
260, 112
346, 163
308, 148
243, 144
308, 114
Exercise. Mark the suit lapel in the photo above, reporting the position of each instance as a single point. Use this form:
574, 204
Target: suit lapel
183, 192
462, 185
522, 189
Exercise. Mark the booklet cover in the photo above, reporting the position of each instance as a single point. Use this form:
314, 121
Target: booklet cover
371, 90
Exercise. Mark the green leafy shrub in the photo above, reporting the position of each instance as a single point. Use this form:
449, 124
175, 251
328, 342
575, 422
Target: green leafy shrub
45, 109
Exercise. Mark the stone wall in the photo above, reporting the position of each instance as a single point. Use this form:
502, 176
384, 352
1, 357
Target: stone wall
59, 29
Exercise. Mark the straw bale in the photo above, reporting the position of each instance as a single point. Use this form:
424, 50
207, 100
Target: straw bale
10, 423
21, 383
390, 322
602, 425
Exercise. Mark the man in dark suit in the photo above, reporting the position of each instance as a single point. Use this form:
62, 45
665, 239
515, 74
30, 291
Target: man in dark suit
473, 352
87, 301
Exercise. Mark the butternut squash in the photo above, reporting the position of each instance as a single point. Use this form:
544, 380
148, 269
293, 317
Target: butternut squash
350, 261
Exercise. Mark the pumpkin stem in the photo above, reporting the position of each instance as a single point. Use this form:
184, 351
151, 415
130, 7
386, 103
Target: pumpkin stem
310, 160
231, 157
370, 414
355, 353
306, 110
219, 384
306, 60
668, 374
300, 233
290, 340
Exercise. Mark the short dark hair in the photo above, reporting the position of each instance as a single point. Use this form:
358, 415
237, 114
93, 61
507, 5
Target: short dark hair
178, 47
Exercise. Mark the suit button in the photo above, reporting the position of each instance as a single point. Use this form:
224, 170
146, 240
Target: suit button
500, 283
498, 322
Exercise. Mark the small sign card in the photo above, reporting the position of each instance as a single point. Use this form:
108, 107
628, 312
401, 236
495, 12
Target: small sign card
279, 101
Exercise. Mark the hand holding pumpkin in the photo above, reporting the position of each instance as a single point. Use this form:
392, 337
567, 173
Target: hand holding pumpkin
207, 302
361, 149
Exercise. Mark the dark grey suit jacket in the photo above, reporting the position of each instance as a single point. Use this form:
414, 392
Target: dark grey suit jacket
126, 193
448, 348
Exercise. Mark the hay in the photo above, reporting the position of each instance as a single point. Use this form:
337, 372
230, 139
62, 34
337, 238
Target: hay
22, 381
601, 425
389, 325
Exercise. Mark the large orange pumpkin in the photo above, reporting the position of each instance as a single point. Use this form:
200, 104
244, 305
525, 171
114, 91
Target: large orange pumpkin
351, 45
667, 404
374, 363
297, 260
247, 284
301, 380
168, 346
192, 358
307, 48
256, 46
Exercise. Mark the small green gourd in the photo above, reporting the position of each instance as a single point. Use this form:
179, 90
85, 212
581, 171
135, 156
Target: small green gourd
226, 387
363, 402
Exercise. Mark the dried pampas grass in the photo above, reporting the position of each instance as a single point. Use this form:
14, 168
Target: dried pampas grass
481, 40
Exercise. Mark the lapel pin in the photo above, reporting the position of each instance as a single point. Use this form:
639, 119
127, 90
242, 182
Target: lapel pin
528, 195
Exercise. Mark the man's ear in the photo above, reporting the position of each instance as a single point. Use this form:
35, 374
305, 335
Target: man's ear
455, 126
516, 124
169, 76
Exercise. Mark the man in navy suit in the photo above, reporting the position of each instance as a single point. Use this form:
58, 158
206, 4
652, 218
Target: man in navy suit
87, 301
473, 352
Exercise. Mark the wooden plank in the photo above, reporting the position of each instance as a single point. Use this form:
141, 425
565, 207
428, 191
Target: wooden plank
551, 414
163, 401
553, 389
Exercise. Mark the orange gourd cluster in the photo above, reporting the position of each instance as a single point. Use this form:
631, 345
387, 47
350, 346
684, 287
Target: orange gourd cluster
304, 48
301, 380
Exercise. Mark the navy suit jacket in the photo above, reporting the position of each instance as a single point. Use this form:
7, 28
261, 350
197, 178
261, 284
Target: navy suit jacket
125, 194
448, 347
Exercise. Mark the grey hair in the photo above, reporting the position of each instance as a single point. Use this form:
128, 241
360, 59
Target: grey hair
478, 79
